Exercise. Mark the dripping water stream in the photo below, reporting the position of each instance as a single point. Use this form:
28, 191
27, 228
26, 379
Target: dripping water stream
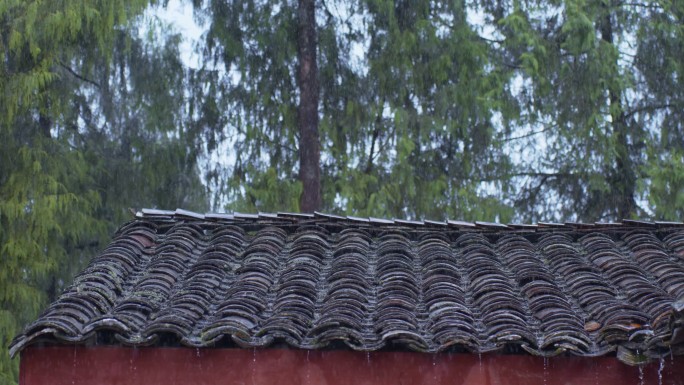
308, 368
661, 366
73, 368
254, 363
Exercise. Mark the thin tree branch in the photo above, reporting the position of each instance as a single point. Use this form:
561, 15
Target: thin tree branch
542, 175
497, 41
650, 108
529, 134
77, 75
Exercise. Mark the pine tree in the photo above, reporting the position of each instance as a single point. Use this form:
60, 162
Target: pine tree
587, 95
407, 132
65, 179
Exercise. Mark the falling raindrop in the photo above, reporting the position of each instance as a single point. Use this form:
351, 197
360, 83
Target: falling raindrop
133, 368
254, 360
660, 371
546, 364
199, 359
73, 369
434, 368
308, 368
596, 376
368, 358
641, 375
479, 357
135, 355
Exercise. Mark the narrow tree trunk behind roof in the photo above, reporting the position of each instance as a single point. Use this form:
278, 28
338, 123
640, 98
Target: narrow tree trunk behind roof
624, 176
307, 111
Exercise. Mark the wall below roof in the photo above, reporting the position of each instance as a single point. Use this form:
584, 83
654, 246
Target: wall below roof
102, 365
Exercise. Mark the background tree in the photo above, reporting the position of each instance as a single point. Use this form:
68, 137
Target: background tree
406, 130
439, 105
659, 60
307, 110
84, 134
587, 90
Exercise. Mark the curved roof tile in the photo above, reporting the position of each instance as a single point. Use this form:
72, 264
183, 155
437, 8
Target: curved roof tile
315, 280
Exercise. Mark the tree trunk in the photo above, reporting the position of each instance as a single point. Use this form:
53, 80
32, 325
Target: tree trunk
623, 178
307, 111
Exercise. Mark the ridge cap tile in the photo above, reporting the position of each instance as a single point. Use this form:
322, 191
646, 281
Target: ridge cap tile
329, 216
523, 226
638, 222
494, 225
669, 223
238, 215
380, 221
608, 224
458, 223
580, 225
219, 216
187, 213
550, 224
295, 215
408, 222
157, 212
267, 215
434, 223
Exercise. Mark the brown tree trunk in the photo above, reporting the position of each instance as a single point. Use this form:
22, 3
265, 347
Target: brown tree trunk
623, 178
307, 111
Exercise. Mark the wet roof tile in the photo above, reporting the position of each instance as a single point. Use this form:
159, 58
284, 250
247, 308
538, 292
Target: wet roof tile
315, 280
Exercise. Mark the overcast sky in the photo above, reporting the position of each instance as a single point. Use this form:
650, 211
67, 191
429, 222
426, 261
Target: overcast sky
179, 15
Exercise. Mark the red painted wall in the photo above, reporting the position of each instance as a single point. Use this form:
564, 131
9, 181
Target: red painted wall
185, 366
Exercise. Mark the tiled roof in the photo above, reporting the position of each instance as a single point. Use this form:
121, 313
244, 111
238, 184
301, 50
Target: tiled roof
319, 280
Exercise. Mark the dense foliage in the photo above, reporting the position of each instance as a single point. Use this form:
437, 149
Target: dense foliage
508, 110
91, 123
498, 110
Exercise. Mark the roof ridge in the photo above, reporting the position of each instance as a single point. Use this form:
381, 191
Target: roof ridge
319, 217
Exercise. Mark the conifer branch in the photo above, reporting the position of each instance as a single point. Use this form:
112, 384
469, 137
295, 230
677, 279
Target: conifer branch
77, 75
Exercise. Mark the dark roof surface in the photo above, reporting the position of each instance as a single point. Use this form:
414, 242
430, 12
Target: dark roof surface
313, 281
